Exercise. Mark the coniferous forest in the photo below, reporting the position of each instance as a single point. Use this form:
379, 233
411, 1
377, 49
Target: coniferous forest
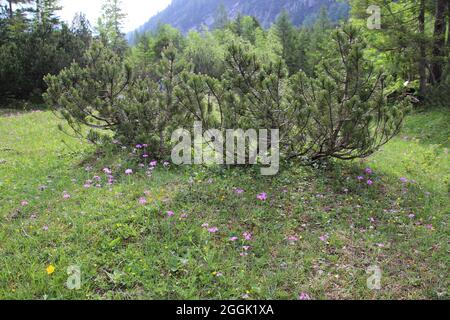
94, 206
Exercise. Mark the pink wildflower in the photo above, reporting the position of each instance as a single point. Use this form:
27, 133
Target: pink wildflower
142, 201
247, 236
213, 230
262, 196
128, 171
170, 213
304, 296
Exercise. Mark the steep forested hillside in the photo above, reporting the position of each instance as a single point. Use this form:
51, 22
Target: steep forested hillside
192, 14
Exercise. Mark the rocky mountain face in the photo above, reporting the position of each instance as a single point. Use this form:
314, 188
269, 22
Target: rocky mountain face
192, 14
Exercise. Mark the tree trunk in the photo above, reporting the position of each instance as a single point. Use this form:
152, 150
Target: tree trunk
422, 59
439, 41
448, 36
10, 9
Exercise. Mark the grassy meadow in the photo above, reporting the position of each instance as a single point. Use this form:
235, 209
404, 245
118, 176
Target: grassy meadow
202, 233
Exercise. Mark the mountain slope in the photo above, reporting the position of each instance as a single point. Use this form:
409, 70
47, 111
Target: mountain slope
192, 14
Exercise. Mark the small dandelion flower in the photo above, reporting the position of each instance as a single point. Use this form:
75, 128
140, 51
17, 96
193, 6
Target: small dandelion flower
50, 269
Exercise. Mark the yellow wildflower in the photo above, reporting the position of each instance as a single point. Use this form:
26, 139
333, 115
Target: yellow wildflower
50, 269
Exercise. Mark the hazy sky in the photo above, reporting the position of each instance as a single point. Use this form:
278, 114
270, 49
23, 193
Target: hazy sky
138, 11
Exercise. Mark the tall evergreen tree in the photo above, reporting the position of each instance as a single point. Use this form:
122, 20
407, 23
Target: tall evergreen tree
110, 24
221, 17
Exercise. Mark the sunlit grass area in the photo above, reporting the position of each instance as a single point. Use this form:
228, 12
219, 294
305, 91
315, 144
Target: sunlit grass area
194, 232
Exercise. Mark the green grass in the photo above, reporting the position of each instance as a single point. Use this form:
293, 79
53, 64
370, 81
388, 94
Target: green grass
128, 250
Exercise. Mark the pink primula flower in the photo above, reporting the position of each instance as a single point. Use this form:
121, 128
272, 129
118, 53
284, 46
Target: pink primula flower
262, 196
213, 230
247, 236
304, 296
